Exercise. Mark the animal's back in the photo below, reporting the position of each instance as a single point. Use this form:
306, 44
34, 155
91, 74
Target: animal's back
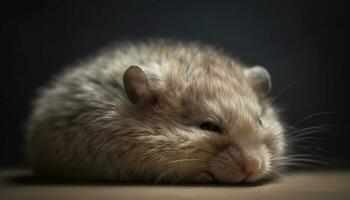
72, 131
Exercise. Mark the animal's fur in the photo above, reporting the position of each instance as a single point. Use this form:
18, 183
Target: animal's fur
83, 125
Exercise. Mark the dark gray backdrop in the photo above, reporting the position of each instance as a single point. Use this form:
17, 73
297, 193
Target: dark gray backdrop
299, 42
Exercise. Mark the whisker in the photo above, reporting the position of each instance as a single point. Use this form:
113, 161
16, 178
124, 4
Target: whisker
306, 134
296, 162
309, 160
273, 99
301, 162
312, 151
321, 128
184, 160
305, 139
312, 116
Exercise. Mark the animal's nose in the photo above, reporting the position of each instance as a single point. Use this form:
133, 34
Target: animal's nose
250, 166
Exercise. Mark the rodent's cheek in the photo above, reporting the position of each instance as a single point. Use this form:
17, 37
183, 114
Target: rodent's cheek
274, 161
274, 145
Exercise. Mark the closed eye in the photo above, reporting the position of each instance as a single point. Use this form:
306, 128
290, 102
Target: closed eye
209, 126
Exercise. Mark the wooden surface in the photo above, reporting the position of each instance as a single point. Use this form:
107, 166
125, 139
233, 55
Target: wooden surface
17, 184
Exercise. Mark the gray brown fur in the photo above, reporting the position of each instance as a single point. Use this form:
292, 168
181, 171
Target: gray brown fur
83, 126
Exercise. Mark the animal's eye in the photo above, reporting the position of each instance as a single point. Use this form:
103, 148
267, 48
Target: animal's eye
209, 126
260, 122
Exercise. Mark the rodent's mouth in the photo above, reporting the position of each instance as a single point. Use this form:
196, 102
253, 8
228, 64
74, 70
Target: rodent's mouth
225, 174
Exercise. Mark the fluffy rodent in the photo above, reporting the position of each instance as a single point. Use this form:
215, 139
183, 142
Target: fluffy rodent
157, 111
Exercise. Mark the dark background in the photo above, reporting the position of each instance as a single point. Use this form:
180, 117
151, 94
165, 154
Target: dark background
300, 42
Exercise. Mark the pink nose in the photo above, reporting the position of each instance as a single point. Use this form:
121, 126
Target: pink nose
250, 166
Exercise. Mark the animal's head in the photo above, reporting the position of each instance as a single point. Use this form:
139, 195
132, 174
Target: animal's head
207, 121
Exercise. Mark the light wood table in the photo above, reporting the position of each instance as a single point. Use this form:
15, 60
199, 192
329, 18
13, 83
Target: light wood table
332, 184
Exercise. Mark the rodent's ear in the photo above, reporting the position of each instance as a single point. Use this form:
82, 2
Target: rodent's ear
260, 79
136, 87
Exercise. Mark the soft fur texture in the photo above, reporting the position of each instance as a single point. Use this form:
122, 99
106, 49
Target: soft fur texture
84, 126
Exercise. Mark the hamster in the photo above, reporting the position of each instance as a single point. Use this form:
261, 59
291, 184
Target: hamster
157, 111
